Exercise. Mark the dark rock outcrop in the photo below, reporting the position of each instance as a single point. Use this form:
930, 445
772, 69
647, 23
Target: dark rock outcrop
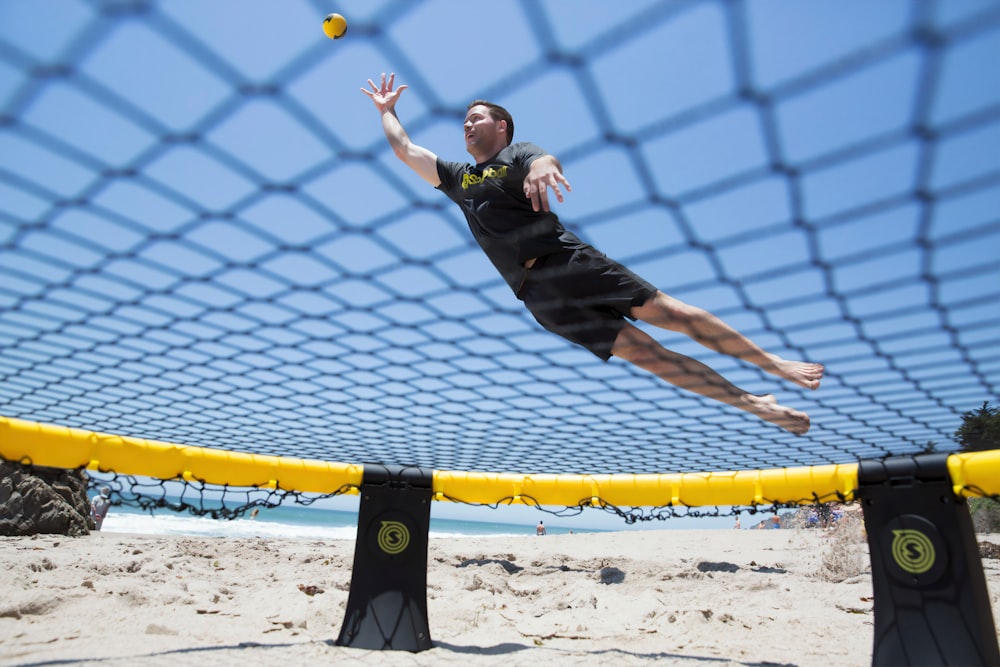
37, 500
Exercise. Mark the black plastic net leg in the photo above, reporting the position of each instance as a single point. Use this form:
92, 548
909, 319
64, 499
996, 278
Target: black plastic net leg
932, 606
387, 604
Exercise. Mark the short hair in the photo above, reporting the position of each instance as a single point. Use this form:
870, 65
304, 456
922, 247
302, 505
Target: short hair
496, 112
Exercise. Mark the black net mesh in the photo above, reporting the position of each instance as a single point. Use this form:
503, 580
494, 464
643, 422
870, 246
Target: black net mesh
205, 239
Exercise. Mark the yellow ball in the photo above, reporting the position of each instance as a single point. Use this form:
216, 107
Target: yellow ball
334, 26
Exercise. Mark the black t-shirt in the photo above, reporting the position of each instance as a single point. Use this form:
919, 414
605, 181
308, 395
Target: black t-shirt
491, 195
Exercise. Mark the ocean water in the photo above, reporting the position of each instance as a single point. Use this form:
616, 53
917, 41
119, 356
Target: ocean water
294, 522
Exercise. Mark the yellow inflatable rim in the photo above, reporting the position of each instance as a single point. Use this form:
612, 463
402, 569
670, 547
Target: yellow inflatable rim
62, 447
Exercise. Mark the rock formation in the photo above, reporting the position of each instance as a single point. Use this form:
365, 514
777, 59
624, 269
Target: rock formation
43, 500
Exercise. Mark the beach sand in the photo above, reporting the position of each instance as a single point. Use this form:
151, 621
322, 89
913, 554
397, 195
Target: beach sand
671, 597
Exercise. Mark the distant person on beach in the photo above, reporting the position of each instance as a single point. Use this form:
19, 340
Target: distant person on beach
540, 528
99, 506
571, 288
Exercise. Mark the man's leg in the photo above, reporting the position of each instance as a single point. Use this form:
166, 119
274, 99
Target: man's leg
638, 347
667, 312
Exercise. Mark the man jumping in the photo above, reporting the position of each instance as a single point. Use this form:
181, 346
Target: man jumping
568, 286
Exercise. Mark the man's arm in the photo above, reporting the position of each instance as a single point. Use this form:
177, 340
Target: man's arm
545, 172
417, 158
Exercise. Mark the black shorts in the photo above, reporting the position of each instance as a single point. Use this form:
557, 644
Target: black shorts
583, 296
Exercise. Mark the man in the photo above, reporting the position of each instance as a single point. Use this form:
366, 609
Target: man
570, 288
99, 506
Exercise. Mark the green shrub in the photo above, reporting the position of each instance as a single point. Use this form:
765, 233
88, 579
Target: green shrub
985, 515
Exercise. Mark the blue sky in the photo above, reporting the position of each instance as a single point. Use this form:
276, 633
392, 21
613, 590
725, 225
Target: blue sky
203, 237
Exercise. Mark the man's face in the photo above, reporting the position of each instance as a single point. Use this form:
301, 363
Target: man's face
483, 135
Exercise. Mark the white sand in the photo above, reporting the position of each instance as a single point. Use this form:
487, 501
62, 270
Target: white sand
139, 600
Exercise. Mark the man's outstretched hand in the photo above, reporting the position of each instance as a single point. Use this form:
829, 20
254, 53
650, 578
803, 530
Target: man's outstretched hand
545, 172
384, 96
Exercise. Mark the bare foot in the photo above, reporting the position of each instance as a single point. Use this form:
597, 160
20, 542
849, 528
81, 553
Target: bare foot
766, 407
802, 373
